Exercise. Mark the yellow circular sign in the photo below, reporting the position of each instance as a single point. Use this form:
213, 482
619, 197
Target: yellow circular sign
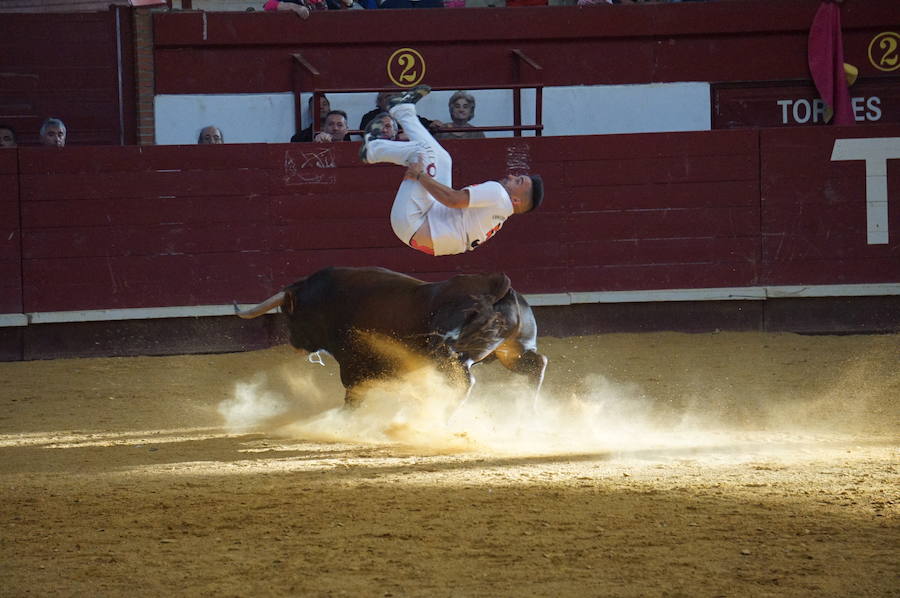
884, 51
406, 67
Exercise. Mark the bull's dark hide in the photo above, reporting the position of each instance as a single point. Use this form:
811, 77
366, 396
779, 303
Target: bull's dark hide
378, 323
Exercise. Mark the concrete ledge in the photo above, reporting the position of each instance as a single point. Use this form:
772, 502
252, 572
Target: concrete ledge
140, 313
180, 335
536, 299
13, 320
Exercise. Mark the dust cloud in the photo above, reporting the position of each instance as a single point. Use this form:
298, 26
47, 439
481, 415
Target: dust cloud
595, 415
421, 410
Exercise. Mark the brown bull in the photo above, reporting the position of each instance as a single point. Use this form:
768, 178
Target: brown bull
454, 324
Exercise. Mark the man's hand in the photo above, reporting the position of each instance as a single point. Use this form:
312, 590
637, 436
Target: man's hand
298, 9
322, 137
450, 197
415, 171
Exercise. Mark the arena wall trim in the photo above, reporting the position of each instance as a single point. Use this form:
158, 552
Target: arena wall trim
13, 320
536, 299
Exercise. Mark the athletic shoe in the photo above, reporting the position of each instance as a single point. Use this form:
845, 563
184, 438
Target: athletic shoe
410, 96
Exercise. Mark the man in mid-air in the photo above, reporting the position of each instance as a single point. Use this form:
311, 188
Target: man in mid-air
428, 213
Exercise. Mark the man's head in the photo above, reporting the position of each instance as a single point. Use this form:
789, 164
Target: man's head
53, 133
210, 136
383, 100
7, 136
386, 127
336, 124
462, 107
525, 191
324, 106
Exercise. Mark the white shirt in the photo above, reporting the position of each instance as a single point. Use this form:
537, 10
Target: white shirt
457, 230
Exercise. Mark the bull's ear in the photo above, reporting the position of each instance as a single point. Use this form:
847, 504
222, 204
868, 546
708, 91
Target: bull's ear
497, 285
488, 286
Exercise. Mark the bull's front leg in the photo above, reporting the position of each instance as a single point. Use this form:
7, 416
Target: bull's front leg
450, 363
533, 365
466, 367
353, 398
528, 363
468, 376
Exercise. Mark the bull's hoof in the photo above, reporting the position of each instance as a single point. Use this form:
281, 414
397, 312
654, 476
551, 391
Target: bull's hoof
352, 401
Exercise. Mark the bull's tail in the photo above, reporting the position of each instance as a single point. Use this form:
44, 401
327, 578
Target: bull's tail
271, 303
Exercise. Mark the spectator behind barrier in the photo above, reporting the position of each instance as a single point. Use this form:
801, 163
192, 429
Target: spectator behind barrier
411, 4
303, 8
382, 104
7, 136
210, 136
306, 135
462, 110
598, 2
298, 8
334, 129
53, 133
384, 127
350, 4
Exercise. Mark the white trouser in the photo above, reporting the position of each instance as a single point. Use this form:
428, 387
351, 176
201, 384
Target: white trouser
412, 203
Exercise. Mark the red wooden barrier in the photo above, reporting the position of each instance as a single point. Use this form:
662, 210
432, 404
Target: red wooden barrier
814, 210
131, 227
10, 237
75, 66
660, 210
739, 40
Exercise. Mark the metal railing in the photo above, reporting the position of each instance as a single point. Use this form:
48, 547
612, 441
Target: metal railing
517, 127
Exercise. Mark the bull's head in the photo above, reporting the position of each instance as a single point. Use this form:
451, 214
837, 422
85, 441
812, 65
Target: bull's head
304, 324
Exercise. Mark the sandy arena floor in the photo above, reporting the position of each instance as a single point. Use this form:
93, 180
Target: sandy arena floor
733, 464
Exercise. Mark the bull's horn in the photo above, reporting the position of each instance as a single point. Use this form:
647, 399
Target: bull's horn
258, 310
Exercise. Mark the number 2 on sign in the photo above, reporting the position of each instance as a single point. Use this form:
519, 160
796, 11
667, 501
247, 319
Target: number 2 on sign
883, 51
411, 67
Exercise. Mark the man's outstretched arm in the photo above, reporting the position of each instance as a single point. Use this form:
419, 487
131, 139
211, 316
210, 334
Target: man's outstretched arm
452, 198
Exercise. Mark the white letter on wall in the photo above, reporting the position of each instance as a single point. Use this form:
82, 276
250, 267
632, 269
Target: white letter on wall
876, 152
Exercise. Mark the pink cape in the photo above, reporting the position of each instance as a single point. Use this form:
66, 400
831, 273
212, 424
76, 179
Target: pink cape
826, 62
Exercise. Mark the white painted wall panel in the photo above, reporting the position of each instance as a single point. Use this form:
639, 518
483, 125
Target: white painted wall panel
243, 118
606, 109
581, 110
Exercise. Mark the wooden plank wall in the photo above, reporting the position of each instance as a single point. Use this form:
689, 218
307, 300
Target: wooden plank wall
109, 227
115, 227
660, 210
194, 225
738, 41
10, 235
66, 65
814, 210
